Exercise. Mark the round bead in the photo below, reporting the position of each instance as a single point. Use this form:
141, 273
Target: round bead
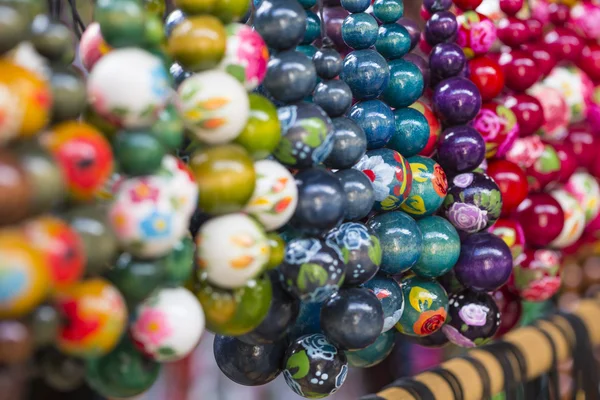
388, 10
95, 318
231, 250
589, 61
136, 279
247, 364
366, 72
355, 6
411, 134
281, 23
168, 130
405, 86
312, 270
476, 33
510, 307
435, 127
429, 187
390, 295
557, 114
123, 372
446, 60
441, 27
198, 42
314, 368
441, 247
467, 4
313, 27
307, 4
360, 196
542, 219
333, 96
44, 322
181, 184
19, 196
473, 202
352, 318
328, 63
61, 372
393, 41
485, 262
568, 161
262, 132
457, 100
537, 276
308, 321
92, 46
121, 22
520, 70
68, 94
587, 192
576, 88
376, 119
14, 28
359, 30
401, 241
426, 307
275, 195
487, 75
434, 6
511, 181
460, 149
528, 110
138, 153
291, 76
541, 162
349, 144
564, 44
308, 50
474, 318
498, 126
307, 135
374, 353
413, 30
180, 262
277, 247
361, 250
129, 87
511, 7
513, 31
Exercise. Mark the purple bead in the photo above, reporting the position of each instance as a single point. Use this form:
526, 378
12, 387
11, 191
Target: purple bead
456, 101
441, 27
434, 6
485, 262
421, 64
413, 30
334, 18
460, 149
446, 60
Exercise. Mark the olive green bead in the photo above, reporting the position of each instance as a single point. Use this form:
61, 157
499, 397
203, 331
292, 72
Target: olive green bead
68, 94
93, 118
179, 264
27, 8
277, 246
124, 372
122, 22
231, 10
155, 7
45, 323
154, 32
192, 7
138, 152
262, 132
136, 278
52, 39
169, 128
14, 28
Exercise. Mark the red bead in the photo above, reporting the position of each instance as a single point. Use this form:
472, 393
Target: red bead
512, 181
568, 161
510, 308
544, 60
467, 4
584, 144
511, 7
536, 28
528, 111
589, 60
542, 219
425, 14
513, 31
564, 44
520, 70
488, 76
558, 13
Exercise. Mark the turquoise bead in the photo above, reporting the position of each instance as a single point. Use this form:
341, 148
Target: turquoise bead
411, 134
355, 6
405, 86
441, 247
366, 72
359, 31
377, 121
373, 354
313, 28
307, 4
308, 50
428, 190
393, 41
388, 10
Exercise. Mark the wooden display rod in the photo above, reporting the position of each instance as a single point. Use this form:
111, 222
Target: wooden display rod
534, 345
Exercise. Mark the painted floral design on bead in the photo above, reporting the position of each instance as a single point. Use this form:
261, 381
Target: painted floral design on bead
157, 225
476, 33
351, 235
379, 172
467, 217
151, 328
317, 346
439, 181
456, 337
542, 289
430, 321
302, 251
463, 180
526, 151
143, 191
474, 314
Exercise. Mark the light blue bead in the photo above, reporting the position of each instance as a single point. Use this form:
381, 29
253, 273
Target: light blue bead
388, 10
359, 31
393, 41
355, 6
411, 134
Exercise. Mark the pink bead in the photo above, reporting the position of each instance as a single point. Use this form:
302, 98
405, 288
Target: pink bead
511, 7
513, 31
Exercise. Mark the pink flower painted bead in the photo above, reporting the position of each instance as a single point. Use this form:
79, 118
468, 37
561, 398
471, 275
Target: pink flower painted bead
92, 46
574, 219
537, 277
586, 190
576, 88
498, 126
557, 114
476, 33
584, 19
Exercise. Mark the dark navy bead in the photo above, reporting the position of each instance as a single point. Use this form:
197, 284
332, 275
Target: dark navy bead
360, 196
355, 6
248, 364
291, 76
413, 30
349, 144
328, 63
308, 321
359, 31
441, 27
313, 27
446, 60
376, 119
352, 318
411, 134
460, 149
406, 84
457, 101
393, 41
333, 96
434, 6
374, 353
388, 10
281, 23
366, 72
389, 293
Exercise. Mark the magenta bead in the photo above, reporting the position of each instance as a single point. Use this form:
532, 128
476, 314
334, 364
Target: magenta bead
568, 161
564, 44
520, 70
511, 7
513, 31
542, 219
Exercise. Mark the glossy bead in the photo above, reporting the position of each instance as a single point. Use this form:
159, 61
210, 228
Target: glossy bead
457, 100
92, 45
476, 33
564, 44
136, 278
313, 27
366, 72
277, 250
95, 317
388, 11
528, 110
473, 202
513, 31
435, 127
390, 295
542, 219
441, 247
198, 42
334, 17
124, 372
393, 41
511, 231
355, 6
281, 23
359, 194
434, 6
68, 94
510, 308
333, 96
576, 88
557, 114
589, 60
574, 219
411, 134
401, 241
497, 124
467, 4
328, 63
376, 119
14, 28
349, 144
406, 84
262, 132
314, 367
291, 76
474, 318
181, 184
511, 181
359, 30
178, 74
460, 149
138, 152
441, 27
540, 161
485, 262
568, 161
307, 4
587, 191
446, 60
308, 50
361, 250
308, 321
426, 307
19, 197
178, 265
537, 276
374, 353
511, 7
520, 70
413, 30
429, 188
44, 323
121, 22
488, 76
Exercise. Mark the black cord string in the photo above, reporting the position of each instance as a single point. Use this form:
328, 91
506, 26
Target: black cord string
451, 380
484, 376
78, 25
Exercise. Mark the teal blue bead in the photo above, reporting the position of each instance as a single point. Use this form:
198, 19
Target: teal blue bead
401, 241
366, 72
429, 188
393, 41
359, 31
426, 306
441, 247
411, 134
406, 84
308, 50
374, 353
313, 27
388, 10
376, 119
355, 6
307, 4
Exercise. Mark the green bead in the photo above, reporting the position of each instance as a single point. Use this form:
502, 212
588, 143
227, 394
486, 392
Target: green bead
277, 246
156, 7
138, 152
426, 306
14, 28
44, 323
238, 311
441, 247
262, 132
68, 94
93, 118
231, 10
179, 264
136, 278
52, 39
122, 22
169, 128
27, 8
124, 372
192, 7
154, 32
